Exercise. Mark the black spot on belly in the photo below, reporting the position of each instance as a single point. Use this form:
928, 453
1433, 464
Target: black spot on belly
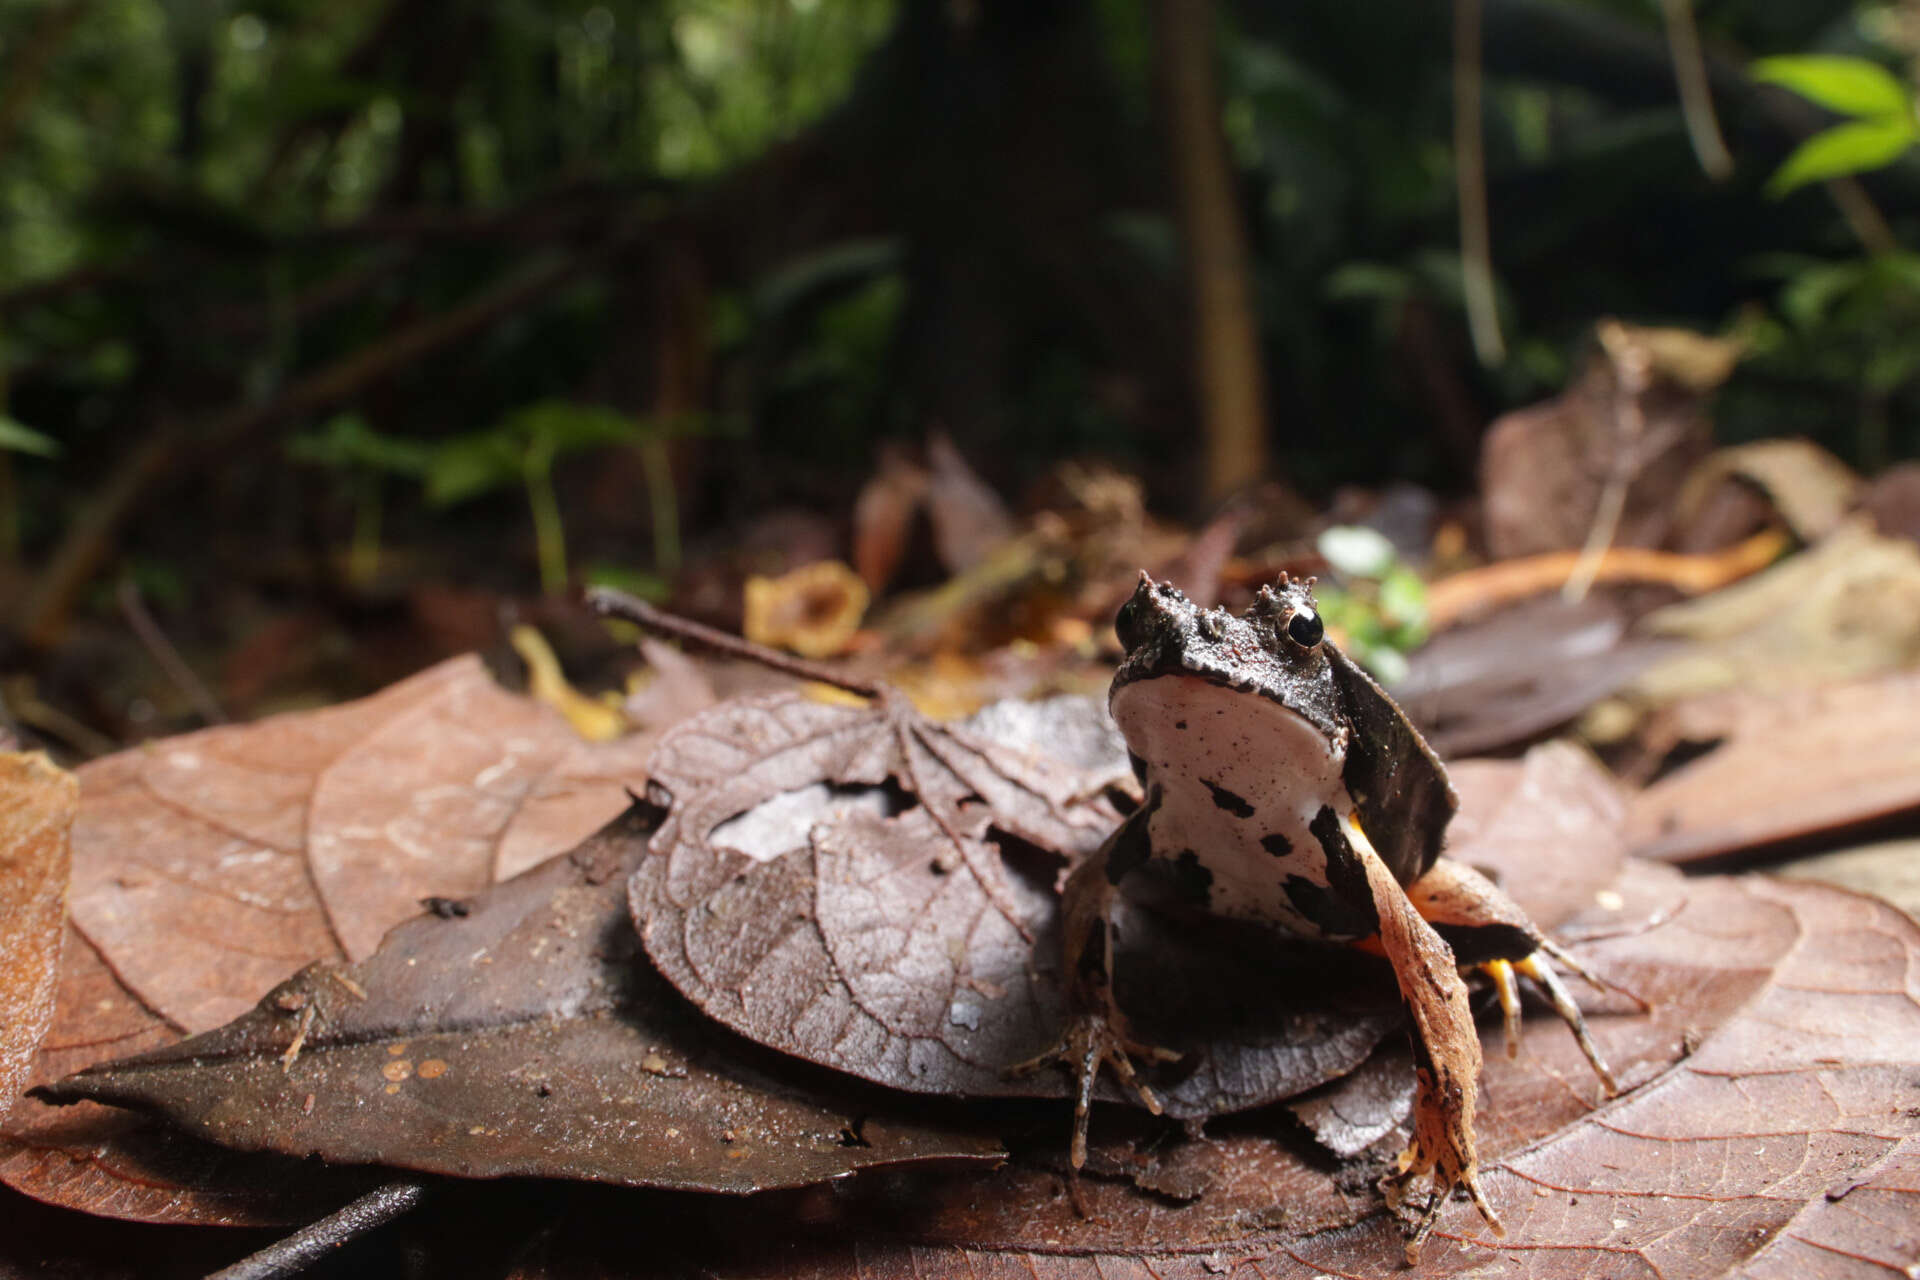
1227, 800
1191, 879
1277, 845
1179, 724
1346, 878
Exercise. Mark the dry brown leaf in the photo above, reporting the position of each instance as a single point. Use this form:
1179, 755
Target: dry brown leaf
37, 804
1636, 413
527, 1037
969, 519
1845, 608
1798, 764
1810, 488
814, 610
883, 934
1520, 673
883, 517
193, 894
1770, 1129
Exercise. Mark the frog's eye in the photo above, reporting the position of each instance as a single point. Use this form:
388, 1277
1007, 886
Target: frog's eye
1305, 629
1128, 625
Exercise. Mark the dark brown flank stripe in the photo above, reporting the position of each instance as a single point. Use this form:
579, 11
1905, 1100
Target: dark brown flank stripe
1130, 847
1344, 905
1478, 943
1192, 878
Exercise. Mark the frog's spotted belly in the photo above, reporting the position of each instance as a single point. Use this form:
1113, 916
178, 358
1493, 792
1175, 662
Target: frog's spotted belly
1249, 807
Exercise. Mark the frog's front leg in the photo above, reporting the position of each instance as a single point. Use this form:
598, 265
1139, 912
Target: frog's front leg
1446, 1047
1488, 930
1097, 1031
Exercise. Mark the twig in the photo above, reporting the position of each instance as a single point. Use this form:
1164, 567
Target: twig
1696, 95
1632, 375
608, 600
1453, 598
317, 1240
1862, 215
166, 654
1470, 181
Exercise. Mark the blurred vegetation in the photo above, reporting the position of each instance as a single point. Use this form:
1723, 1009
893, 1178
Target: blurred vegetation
381, 273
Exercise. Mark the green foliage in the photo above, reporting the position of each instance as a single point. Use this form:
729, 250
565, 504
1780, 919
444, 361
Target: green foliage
1845, 86
1883, 126
528, 439
18, 437
347, 443
1856, 147
1379, 605
521, 449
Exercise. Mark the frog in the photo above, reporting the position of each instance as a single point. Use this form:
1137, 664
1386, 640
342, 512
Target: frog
1281, 784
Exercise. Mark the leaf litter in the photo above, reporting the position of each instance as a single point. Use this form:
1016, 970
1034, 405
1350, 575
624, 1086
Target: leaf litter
37, 804
1803, 994
193, 895
523, 1038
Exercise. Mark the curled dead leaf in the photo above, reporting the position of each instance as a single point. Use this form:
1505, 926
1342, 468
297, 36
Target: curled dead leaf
813, 610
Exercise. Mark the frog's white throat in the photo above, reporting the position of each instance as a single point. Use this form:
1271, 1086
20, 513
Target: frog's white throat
1238, 782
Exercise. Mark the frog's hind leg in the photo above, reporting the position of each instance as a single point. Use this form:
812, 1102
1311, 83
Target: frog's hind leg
1488, 930
1097, 1032
1446, 1045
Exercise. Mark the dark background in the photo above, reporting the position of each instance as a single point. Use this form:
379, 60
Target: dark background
339, 317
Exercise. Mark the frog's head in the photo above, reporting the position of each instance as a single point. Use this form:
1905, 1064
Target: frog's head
1274, 651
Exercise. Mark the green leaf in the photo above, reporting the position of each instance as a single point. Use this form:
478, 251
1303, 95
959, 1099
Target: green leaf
348, 443
468, 466
1844, 149
1849, 86
1368, 280
1403, 598
18, 437
564, 427
638, 582
1811, 294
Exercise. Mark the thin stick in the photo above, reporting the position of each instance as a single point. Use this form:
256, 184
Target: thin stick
1470, 179
608, 600
1632, 376
319, 1239
1696, 95
165, 654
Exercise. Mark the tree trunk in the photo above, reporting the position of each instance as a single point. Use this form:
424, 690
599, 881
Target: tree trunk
1230, 382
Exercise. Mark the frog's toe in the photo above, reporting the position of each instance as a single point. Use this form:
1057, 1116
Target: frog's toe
1541, 974
1451, 1169
1088, 1041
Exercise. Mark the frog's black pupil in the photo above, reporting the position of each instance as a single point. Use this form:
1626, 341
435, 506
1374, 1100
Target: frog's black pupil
1127, 625
1305, 628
